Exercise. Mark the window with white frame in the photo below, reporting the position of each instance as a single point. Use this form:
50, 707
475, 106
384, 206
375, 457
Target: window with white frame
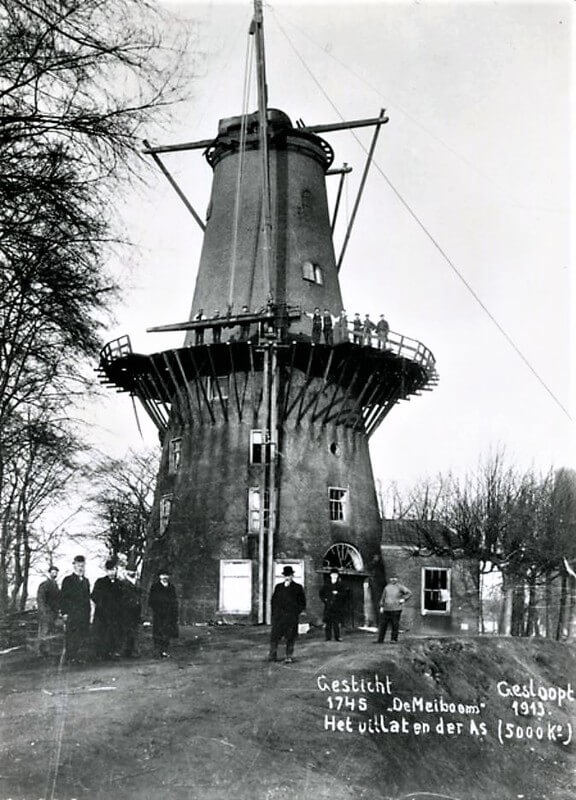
219, 388
435, 590
174, 455
235, 587
255, 509
338, 503
165, 510
260, 447
308, 271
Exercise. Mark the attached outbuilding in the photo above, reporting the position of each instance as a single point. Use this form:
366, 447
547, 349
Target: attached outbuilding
445, 586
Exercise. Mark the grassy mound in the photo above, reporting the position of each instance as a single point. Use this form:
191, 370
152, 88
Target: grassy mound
218, 721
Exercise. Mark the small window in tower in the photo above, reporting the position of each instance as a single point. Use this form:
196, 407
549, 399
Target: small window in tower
254, 510
174, 455
308, 271
219, 387
313, 272
338, 503
165, 510
435, 590
260, 447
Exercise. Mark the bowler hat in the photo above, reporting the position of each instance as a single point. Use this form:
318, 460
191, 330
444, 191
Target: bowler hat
287, 571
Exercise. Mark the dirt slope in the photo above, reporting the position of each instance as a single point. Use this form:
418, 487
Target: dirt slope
217, 721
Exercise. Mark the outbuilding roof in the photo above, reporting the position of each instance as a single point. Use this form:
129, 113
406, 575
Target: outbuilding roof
423, 534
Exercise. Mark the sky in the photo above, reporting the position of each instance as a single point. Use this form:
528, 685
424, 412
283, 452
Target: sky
471, 177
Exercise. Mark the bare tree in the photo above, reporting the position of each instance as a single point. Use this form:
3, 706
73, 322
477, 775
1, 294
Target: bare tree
78, 80
520, 524
40, 467
122, 500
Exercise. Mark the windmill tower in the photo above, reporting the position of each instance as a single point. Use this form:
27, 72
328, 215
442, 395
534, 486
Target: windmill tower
264, 427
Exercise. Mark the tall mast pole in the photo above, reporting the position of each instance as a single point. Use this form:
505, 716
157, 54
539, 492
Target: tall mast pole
258, 29
270, 377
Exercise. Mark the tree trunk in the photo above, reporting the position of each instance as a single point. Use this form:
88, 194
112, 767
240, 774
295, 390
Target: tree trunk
532, 627
25, 573
518, 609
505, 621
548, 604
561, 628
571, 621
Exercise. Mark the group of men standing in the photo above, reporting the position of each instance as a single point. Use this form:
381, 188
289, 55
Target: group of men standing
289, 601
324, 325
117, 599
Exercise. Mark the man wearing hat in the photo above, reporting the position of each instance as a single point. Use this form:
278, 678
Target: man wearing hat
107, 596
391, 603
164, 605
334, 595
131, 610
382, 330
75, 608
48, 602
288, 602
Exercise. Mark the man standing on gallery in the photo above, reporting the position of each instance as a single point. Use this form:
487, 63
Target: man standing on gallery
75, 608
391, 603
288, 602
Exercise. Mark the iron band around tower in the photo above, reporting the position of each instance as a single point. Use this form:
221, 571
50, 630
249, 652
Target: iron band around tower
281, 136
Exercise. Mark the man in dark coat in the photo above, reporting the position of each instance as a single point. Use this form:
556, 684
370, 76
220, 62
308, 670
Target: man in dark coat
164, 605
316, 318
107, 597
328, 327
288, 602
131, 611
48, 602
334, 595
367, 328
382, 330
199, 332
357, 329
75, 608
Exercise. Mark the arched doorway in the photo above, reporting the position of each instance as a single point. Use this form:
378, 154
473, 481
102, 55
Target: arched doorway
345, 557
348, 560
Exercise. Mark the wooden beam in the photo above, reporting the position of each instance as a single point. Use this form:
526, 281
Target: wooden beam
379, 123
186, 382
200, 385
344, 126
175, 186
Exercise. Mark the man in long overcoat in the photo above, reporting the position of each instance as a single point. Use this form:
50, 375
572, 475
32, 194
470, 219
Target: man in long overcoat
75, 608
108, 627
48, 602
164, 605
288, 602
334, 595
131, 611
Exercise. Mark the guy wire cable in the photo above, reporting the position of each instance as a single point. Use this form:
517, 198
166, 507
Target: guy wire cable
431, 238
